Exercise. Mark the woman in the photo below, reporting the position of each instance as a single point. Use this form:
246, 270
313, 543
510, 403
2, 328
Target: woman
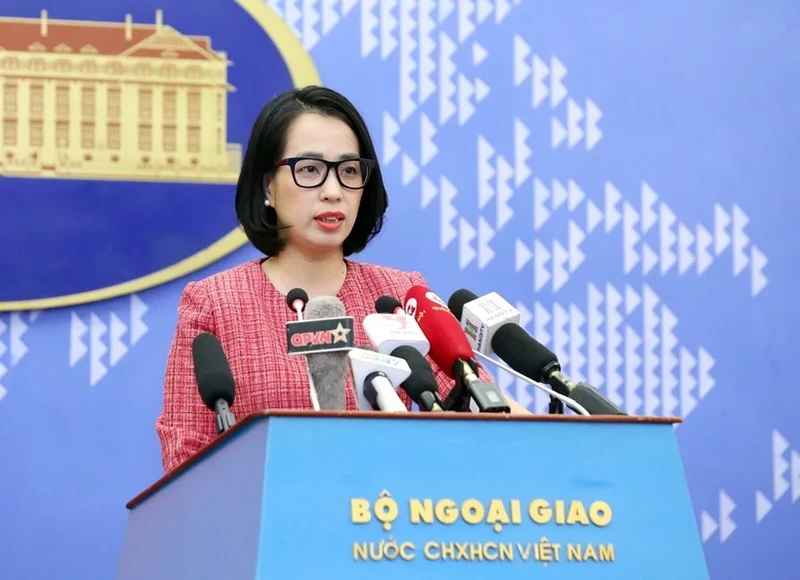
310, 193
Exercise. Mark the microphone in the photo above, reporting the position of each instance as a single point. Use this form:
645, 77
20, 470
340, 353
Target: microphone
420, 385
375, 376
490, 316
297, 298
214, 379
452, 353
481, 317
391, 328
323, 337
388, 305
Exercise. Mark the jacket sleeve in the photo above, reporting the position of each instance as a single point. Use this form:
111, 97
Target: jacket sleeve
445, 383
185, 424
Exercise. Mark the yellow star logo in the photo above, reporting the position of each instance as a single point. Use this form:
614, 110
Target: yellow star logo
340, 333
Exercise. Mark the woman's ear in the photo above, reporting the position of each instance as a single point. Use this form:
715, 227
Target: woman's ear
267, 193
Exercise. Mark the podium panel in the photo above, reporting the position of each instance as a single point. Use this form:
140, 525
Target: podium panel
365, 496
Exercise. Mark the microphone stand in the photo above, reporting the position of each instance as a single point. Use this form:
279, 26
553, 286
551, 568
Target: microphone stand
459, 398
224, 416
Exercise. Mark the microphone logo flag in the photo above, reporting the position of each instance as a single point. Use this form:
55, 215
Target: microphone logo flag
481, 317
389, 331
319, 335
490, 307
399, 322
365, 362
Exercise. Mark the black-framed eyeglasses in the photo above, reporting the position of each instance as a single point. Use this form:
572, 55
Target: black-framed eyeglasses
312, 171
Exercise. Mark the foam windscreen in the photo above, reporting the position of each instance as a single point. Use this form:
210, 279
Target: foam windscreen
212, 370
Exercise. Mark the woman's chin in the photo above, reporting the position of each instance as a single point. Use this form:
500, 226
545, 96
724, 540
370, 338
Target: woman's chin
327, 240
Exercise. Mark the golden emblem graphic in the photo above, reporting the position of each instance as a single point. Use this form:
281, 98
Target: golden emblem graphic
113, 100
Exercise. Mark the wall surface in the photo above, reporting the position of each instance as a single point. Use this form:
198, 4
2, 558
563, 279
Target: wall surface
624, 173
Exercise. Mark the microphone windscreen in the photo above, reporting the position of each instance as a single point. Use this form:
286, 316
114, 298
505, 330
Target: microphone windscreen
325, 307
212, 371
522, 352
328, 370
447, 339
296, 294
387, 305
421, 378
458, 299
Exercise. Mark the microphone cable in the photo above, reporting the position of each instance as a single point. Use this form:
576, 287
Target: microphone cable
561, 399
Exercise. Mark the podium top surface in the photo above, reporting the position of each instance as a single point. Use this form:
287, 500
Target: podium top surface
365, 415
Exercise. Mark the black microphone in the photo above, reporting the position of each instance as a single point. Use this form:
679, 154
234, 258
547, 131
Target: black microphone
420, 385
388, 305
481, 317
297, 298
214, 379
529, 357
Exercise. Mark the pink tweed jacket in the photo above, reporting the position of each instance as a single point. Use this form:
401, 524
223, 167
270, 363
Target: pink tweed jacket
248, 315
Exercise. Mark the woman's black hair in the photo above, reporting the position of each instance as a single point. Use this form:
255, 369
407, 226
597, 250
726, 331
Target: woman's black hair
267, 144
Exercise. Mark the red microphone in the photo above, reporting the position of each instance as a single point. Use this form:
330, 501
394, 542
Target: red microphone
449, 344
452, 353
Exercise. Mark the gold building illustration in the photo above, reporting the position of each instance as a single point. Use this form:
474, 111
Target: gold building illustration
106, 100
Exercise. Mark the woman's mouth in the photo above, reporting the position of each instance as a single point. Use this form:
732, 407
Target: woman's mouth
330, 221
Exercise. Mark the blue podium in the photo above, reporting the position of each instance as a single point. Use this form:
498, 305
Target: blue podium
308, 495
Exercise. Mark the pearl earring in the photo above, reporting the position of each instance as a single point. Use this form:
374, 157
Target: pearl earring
266, 202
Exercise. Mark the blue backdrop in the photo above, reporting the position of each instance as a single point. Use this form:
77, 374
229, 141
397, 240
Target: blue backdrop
626, 174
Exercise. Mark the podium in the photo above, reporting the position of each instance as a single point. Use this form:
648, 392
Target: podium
366, 495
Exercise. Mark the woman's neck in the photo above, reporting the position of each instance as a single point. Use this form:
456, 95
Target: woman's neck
317, 275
